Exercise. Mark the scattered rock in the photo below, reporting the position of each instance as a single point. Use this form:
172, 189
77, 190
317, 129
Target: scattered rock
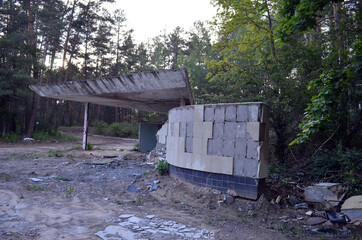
230, 200
336, 217
301, 206
315, 221
39, 179
133, 189
28, 139
232, 193
293, 200
323, 192
309, 213
279, 198
352, 207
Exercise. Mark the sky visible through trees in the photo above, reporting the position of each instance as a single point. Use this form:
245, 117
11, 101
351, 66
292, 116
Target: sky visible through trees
301, 57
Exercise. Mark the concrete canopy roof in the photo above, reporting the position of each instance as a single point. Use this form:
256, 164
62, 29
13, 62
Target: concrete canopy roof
155, 91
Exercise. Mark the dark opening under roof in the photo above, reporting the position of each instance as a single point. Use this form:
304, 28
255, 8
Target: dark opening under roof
154, 91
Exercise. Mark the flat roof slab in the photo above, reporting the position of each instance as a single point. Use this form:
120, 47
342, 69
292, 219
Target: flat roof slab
154, 91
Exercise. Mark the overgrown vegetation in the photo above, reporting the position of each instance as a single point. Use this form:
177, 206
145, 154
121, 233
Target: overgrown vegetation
340, 165
162, 167
120, 129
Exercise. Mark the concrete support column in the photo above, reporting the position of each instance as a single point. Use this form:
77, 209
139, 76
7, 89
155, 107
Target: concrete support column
85, 127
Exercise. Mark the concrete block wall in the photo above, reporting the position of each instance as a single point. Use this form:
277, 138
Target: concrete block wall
230, 139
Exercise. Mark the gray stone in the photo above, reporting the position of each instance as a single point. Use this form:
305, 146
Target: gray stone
218, 130
320, 192
238, 166
253, 113
125, 216
230, 200
189, 144
187, 115
251, 168
219, 114
215, 147
252, 149
242, 113
190, 129
352, 207
240, 149
172, 126
230, 130
230, 114
209, 114
240, 130
228, 147
315, 221
183, 129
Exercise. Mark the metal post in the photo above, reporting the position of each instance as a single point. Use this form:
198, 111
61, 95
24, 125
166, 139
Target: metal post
85, 127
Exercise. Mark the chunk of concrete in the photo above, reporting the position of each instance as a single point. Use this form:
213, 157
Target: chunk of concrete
322, 192
230, 114
230, 130
229, 146
219, 114
190, 129
252, 149
352, 207
253, 129
242, 113
218, 130
183, 129
253, 113
209, 114
188, 144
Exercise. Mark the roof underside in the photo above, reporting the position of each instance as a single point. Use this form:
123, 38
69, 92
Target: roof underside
156, 91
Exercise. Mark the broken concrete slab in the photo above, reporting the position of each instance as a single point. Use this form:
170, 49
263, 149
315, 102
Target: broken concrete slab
352, 207
322, 192
154, 91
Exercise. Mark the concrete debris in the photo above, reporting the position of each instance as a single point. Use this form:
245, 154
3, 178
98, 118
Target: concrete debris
232, 193
132, 227
315, 221
28, 139
352, 207
279, 198
336, 217
38, 179
327, 193
309, 213
133, 189
301, 205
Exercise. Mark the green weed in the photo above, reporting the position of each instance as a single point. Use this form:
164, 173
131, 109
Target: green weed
139, 200
162, 167
5, 176
89, 147
55, 153
34, 188
70, 191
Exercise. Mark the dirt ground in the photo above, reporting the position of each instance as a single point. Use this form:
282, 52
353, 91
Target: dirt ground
58, 191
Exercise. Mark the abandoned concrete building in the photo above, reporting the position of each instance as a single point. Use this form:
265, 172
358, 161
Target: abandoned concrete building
222, 146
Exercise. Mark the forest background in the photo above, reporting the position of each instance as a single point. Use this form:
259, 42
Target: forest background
302, 57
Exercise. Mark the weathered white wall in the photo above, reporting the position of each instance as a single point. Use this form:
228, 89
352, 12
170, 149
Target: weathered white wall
229, 139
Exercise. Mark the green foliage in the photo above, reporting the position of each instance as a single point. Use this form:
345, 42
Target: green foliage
89, 147
120, 129
135, 147
162, 167
55, 153
70, 191
11, 138
51, 136
340, 165
34, 188
5, 176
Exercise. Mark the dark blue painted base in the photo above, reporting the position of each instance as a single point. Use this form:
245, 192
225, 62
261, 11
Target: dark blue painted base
246, 187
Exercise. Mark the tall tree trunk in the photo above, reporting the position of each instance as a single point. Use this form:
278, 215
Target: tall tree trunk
67, 39
271, 30
32, 44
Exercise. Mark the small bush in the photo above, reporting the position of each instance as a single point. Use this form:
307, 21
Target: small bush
89, 147
162, 167
51, 136
11, 137
340, 165
55, 153
120, 129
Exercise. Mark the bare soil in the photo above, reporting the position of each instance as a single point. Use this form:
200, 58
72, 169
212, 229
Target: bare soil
75, 193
